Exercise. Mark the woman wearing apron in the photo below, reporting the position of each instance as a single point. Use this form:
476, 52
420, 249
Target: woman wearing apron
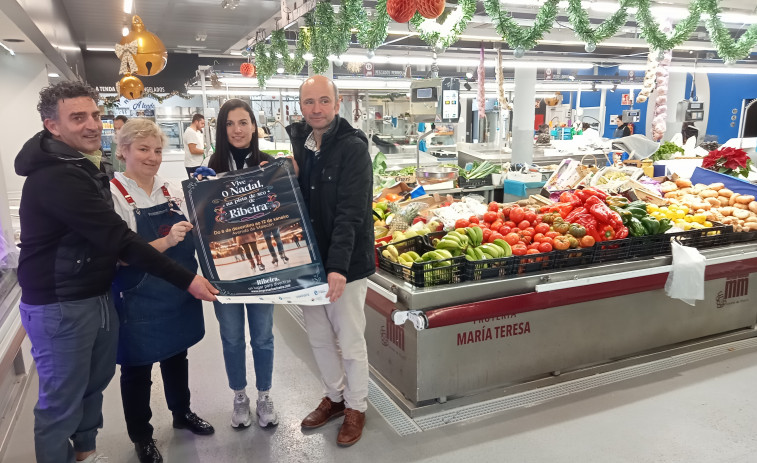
237, 148
158, 322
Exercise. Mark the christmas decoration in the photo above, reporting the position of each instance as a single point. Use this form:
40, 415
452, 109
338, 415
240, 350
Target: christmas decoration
652, 33
517, 36
126, 54
503, 103
649, 77
729, 50
430, 9
400, 10
130, 87
441, 36
659, 124
481, 79
579, 18
247, 69
151, 55
111, 101
729, 161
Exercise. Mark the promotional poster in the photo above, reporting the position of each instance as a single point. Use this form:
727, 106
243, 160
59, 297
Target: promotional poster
253, 237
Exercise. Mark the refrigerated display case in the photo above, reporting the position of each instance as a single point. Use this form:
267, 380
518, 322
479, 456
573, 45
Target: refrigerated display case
524, 331
172, 131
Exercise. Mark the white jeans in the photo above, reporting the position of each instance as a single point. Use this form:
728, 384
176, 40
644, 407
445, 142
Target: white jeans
337, 336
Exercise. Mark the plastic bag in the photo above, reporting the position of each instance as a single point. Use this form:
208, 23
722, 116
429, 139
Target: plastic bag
686, 279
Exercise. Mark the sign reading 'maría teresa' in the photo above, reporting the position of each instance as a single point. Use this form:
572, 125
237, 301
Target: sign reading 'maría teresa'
253, 236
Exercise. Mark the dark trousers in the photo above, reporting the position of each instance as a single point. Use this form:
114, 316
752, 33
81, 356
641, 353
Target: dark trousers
250, 249
135, 393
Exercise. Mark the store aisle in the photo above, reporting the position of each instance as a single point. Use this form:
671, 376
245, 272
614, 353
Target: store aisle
705, 412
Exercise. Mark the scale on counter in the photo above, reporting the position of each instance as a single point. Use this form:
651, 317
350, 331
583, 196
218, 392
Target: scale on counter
631, 115
689, 111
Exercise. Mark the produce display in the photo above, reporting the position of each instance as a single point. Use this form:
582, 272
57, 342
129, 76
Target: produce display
666, 151
714, 202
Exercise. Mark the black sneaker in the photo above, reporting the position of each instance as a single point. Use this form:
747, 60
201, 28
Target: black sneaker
284, 257
147, 452
194, 423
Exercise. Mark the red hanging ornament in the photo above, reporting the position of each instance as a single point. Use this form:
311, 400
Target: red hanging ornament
400, 10
248, 70
430, 9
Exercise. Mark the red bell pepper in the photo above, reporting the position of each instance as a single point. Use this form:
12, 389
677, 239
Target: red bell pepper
572, 199
575, 213
590, 224
591, 191
621, 232
607, 232
561, 208
601, 212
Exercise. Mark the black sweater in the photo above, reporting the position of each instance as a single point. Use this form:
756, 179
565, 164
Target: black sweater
71, 237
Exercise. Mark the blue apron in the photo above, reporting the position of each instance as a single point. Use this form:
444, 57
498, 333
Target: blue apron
619, 132
157, 319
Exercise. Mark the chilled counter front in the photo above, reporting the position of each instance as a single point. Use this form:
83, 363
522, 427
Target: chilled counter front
471, 337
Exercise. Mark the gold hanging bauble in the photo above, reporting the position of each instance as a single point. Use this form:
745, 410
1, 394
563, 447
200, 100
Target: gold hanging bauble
151, 56
131, 87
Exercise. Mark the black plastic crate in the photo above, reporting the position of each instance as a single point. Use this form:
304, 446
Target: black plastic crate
423, 274
490, 268
463, 182
531, 263
429, 237
608, 251
700, 238
572, 257
652, 245
742, 237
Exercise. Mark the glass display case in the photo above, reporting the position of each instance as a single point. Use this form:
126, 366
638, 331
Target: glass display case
108, 133
172, 130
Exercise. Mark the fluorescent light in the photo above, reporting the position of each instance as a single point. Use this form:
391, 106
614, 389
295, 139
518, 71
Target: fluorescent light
13, 53
65, 48
53, 74
240, 92
606, 86
125, 31
692, 69
236, 53
100, 48
128, 6
348, 84
452, 61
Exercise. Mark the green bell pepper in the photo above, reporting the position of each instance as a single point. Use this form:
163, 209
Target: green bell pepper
638, 212
635, 227
665, 225
624, 214
651, 225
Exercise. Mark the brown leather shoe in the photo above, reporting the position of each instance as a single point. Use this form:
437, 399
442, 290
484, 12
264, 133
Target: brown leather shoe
352, 428
326, 410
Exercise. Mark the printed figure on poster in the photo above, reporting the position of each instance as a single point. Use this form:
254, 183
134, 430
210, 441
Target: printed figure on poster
253, 236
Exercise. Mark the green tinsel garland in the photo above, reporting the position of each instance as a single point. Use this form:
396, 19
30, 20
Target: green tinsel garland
111, 101
371, 34
582, 26
324, 40
728, 49
439, 41
515, 35
265, 62
651, 32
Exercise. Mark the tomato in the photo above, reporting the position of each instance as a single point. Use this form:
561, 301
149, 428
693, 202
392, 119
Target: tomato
527, 232
505, 211
539, 237
545, 247
473, 219
517, 214
542, 228
392, 197
561, 243
511, 224
587, 241
527, 239
551, 234
461, 223
539, 218
524, 224
511, 238
497, 236
533, 251
519, 249
493, 206
534, 246
501, 216
504, 230
530, 215
487, 234
490, 216
496, 224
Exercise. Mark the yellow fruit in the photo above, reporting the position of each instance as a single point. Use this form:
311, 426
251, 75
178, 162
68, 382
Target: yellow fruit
707, 223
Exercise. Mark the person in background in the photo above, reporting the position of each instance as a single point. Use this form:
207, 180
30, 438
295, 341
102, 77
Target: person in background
118, 164
237, 148
588, 131
71, 239
336, 180
623, 130
158, 322
194, 144
688, 130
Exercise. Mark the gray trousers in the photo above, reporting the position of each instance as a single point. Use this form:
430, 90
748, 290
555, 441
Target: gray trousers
74, 347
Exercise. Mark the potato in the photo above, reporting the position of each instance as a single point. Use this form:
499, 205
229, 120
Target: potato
725, 192
716, 186
708, 194
740, 214
713, 201
741, 206
753, 206
723, 200
732, 199
745, 199
683, 183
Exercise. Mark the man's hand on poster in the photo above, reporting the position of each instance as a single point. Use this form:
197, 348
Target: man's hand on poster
203, 171
337, 282
201, 289
178, 232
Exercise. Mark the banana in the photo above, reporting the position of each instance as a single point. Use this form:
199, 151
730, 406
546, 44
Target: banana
458, 235
389, 255
487, 255
479, 253
448, 244
413, 255
480, 234
431, 255
470, 253
445, 253
472, 235
505, 246
393, 250
494, 250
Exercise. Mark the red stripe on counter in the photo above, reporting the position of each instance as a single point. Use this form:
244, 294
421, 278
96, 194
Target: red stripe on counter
529, 302
379, 303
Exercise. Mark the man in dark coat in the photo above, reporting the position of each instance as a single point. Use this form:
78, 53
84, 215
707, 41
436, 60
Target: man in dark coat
336, 179
71, 239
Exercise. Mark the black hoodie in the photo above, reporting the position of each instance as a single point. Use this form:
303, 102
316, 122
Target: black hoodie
71, 237
338, 189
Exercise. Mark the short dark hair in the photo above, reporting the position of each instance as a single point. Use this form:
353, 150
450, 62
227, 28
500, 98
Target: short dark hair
50, 96
586, 126
121, 118
198, 117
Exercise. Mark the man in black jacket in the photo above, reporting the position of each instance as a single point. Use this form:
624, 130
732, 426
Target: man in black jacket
71, 239
336, 179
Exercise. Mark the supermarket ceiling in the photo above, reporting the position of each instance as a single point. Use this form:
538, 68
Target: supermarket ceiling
206, 27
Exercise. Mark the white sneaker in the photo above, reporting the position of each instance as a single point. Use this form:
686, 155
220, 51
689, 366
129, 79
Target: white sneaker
95, 458
242, 417
267, 416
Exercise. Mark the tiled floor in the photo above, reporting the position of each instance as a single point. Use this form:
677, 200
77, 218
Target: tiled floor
703, 412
